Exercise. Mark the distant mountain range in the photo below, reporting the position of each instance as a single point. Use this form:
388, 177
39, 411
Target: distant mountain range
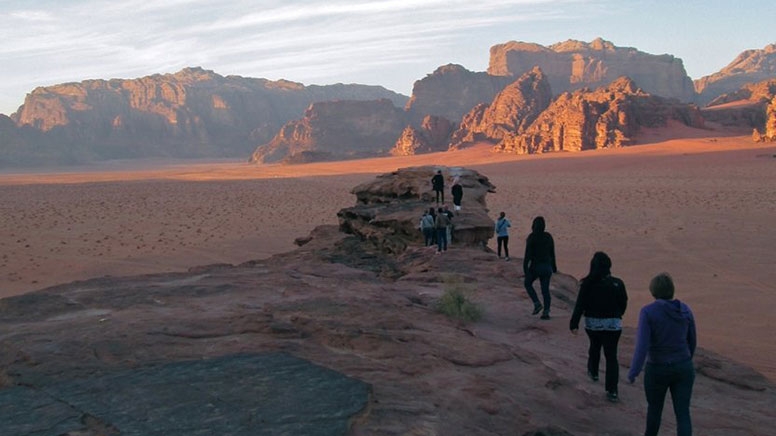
198, 113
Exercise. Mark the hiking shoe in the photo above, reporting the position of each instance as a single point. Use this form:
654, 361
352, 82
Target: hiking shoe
592, 376
537, 308
545, 316
612, 396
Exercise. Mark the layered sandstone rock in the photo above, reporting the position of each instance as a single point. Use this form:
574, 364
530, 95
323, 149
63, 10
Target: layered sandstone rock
336, 130
751, 66
192, 113
747, 108
606, 118
389, 208
572, 65
432, 135
511, 111
451, 91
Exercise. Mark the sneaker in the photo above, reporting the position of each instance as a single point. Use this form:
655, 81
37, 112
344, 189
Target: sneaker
592, 376
612, 396
545, 316
507, 258
537, 308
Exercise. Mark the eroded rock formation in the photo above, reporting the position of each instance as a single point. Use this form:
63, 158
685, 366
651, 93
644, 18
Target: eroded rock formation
608, 117
572, 65
748, 108
432, 135
511, 112
336, 130
751, 66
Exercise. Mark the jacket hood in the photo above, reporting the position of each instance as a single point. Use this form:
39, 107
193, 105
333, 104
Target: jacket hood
675, 309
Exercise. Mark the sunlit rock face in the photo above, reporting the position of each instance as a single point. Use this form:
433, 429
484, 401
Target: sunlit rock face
751, 66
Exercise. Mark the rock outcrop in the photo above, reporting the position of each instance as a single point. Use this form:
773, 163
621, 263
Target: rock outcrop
336, 130
749, 108
751, 66
192, 113
389, 208
605, 118
511, 111
451, 91
432, 135
572, 65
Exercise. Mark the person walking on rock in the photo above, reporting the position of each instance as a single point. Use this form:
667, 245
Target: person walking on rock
539, 262
450, 215
438, 184
602, 299
442, 221
502, 235
427, 226
457, 191
666, 339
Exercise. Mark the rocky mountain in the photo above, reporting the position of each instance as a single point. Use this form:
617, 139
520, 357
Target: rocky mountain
345, 334
751, 66
432, 136
607, 117
451, 91
336, 130
572, 65
192, 113
510, 112
748, 108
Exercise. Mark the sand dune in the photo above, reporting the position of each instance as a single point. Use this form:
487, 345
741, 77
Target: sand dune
701, 208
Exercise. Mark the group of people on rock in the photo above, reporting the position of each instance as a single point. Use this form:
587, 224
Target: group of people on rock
437, 226
438, 185
665, 338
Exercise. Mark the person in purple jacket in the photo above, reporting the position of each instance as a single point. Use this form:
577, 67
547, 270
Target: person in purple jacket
666, 339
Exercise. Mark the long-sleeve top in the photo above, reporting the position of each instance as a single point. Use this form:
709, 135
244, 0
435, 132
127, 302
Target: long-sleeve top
442, 221
603, 299
539, 249
666, 334
438, 182
502, 227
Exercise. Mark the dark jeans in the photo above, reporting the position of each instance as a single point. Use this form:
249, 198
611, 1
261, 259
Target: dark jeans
428, 236
439, 193
503, 240
441, 235
607, 339
543, 272
678, 378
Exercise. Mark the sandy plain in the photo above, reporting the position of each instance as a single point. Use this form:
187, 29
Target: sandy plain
693, 203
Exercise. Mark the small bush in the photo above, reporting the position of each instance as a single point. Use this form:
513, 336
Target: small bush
455, 304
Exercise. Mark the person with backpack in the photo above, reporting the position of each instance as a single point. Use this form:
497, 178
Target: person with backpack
602, 299
502, 235
438, 184
539, 263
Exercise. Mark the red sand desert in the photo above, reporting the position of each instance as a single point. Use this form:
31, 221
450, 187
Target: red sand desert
701, 208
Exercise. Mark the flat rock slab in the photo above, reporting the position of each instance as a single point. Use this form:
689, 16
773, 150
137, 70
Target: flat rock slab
259, 394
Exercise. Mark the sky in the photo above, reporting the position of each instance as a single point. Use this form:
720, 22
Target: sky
391, 43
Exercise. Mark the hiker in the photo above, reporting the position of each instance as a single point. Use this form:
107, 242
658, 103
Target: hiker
539, 262
450, 215
427, 227
602, 299
438, 184
502, 235
442, 221
457, 191
666, 339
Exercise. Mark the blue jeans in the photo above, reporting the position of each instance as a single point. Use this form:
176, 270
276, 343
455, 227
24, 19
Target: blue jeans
658, 379
607, 339
441, 239
543, 272
428, 236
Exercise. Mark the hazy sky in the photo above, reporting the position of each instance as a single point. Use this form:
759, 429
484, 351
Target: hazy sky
382, 42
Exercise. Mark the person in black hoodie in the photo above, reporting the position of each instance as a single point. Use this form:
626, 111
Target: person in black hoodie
539, 262
602, 299
438, 184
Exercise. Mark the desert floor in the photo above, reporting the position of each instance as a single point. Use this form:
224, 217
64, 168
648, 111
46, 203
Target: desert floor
701, 208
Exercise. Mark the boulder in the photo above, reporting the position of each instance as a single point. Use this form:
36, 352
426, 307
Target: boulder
388, 209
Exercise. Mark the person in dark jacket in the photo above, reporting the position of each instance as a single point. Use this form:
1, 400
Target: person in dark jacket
438, 184
442, 221
666, 339
539, 262
602, 299
457, 191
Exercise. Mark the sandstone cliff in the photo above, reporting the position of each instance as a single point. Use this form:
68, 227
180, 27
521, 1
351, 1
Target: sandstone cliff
750, 66
511, 111
432, 135
451, 91
571, 65
605, 118
336, 130
192, 113
748, 108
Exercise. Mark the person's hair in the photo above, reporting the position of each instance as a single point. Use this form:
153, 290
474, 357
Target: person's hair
662, 287
502, 215
538, 225
600, 267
